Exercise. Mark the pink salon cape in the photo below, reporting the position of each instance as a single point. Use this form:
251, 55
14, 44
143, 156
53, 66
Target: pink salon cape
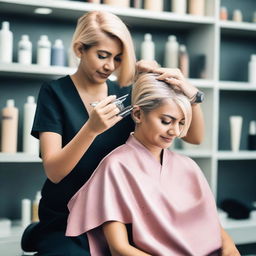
170, 206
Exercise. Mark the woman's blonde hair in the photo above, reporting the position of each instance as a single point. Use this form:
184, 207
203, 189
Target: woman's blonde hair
88, 32
149, 93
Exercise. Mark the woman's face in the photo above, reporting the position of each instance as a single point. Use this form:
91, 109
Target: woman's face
158, 128
100, 61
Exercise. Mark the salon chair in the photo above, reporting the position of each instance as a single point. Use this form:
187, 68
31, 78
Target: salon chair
28, 239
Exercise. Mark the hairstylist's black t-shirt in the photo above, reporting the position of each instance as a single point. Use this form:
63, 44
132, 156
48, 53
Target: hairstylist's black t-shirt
61, 110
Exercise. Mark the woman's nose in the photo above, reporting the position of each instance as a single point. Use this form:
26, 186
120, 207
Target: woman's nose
174, 130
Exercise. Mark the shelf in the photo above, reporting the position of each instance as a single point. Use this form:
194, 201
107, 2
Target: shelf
238, 28
242, 231
195, 153
19, 157
34, 71
73, 9
240, 155
237, 86
202, 83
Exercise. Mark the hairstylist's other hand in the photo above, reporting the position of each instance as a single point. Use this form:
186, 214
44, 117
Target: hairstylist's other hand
174, 77
104, 115
146, 65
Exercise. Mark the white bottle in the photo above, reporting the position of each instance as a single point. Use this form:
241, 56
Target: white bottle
147, 48
9, 127
6, 43
237, 15
122, 3
35, 206
44, 51
25, 212
25, 50
153, 5
179, 6
184, 60
30, 144
252, 70
196, 7
171, 52
58, 53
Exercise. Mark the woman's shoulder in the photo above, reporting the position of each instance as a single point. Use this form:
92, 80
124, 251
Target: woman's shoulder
56, 84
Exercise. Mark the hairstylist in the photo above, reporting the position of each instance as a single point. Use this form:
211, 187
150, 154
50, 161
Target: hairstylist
74, 136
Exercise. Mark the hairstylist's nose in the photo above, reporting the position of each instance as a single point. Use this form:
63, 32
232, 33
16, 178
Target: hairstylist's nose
109, 66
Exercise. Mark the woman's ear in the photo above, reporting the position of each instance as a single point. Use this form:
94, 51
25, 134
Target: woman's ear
136, 114
78, 49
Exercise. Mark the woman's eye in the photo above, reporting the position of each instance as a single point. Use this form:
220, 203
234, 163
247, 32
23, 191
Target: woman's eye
118, 59
166, 122
181, 123
102, 56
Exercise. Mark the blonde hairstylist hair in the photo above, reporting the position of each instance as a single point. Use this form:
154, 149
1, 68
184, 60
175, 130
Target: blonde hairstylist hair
88, 32
149, 93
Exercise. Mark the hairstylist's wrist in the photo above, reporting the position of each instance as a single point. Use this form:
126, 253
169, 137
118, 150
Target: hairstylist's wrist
90, 132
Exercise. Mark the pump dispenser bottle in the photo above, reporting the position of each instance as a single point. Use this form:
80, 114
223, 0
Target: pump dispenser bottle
252, 70
9, 128
184, 60
171, 52
179, 6
30, 144
6, 43
44, 51
25, 50
58, 53
147, 48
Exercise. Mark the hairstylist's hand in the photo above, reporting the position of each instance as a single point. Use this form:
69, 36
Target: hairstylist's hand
146, 65
104, 115
174, 77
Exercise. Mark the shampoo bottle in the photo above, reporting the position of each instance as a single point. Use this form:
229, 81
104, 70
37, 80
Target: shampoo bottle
153, 5
25, 212
58, 53
184, 60
9, 127
237, 15
35, 207
30, 144
171, 52
179, 6
252, 136
223, 13
44, 51
123, 3
148, 48
252, 70
196, 7
6, 43
25, 50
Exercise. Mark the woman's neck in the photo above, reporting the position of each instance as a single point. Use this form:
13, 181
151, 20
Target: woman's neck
155, 151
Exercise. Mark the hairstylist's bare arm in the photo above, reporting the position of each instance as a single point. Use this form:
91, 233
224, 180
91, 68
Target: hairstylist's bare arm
117, 238
175, 78
58, 161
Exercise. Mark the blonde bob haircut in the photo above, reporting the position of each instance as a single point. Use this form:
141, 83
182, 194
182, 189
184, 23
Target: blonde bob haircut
88, 32
149, 93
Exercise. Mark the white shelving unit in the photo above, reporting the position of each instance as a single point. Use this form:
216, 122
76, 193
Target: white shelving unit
203, 36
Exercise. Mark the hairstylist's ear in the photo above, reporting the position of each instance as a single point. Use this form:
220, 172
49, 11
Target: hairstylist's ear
78, 49
136, 114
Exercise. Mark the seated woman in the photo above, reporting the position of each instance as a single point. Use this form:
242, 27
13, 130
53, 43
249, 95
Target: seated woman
163, 195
